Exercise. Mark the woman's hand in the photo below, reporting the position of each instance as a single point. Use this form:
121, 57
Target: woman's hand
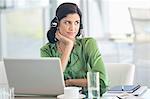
65, 45
66, 41
76, 82
68, 82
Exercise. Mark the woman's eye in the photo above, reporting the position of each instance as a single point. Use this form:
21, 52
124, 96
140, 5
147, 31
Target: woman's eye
77, 22
67, 22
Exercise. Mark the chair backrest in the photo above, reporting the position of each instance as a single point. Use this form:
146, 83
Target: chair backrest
120, 73
3, 77
140, 18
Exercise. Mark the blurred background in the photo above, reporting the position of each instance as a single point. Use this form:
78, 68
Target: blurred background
122, 35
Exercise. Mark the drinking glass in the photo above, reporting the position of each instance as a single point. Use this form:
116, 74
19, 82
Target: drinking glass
6, 93
93, 85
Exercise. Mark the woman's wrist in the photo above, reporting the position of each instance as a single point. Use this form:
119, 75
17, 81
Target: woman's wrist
68, 49
68, 82
76, 82
69, 46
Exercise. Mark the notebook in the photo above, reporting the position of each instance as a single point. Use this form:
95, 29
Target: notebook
42, 76
124, 88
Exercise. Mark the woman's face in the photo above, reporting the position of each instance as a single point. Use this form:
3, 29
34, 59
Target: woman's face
69, 25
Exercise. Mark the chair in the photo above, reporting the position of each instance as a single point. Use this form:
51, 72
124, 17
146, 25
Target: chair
120, 73
3, 77
140, 18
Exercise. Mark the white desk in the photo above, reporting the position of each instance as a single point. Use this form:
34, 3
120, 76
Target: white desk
145, 95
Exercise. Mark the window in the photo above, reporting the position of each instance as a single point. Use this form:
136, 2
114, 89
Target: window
24, 32
23, 27
118, 15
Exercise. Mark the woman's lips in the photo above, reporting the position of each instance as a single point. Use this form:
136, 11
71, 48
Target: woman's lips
70, 32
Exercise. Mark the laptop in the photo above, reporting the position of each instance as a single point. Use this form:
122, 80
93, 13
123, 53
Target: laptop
42, 76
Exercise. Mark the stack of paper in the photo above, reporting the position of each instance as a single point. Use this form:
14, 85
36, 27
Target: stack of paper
124, 88
139, 92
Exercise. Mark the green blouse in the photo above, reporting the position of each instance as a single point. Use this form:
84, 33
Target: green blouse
85, 57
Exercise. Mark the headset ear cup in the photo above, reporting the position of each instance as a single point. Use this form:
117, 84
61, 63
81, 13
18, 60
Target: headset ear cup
51, 33
54, 22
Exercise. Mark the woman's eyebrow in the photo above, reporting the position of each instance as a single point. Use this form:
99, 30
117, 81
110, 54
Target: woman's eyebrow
70, 20
77, 20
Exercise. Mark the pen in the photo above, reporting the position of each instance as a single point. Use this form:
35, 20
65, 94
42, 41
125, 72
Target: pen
118, 97
122, 88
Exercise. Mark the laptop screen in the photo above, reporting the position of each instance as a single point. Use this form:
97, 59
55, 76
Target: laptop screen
41, 76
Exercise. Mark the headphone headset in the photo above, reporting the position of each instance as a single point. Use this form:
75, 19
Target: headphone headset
54, 25
55, 22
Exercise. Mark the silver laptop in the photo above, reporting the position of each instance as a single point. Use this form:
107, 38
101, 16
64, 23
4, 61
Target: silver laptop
41, 76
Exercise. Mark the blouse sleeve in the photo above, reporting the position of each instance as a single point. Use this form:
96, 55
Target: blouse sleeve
94, 59
45, 51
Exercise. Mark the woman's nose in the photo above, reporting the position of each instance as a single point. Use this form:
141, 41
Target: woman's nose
72, 27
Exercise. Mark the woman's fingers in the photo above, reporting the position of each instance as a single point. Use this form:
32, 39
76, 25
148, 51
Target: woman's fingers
63, 39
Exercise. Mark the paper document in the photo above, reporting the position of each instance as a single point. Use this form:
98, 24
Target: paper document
124, 88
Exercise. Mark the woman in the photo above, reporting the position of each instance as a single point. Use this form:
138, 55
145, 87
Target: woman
78, 55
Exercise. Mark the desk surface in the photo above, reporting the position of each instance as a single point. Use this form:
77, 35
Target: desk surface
146, 95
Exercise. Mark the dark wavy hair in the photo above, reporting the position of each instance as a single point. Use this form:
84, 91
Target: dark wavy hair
62, 11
